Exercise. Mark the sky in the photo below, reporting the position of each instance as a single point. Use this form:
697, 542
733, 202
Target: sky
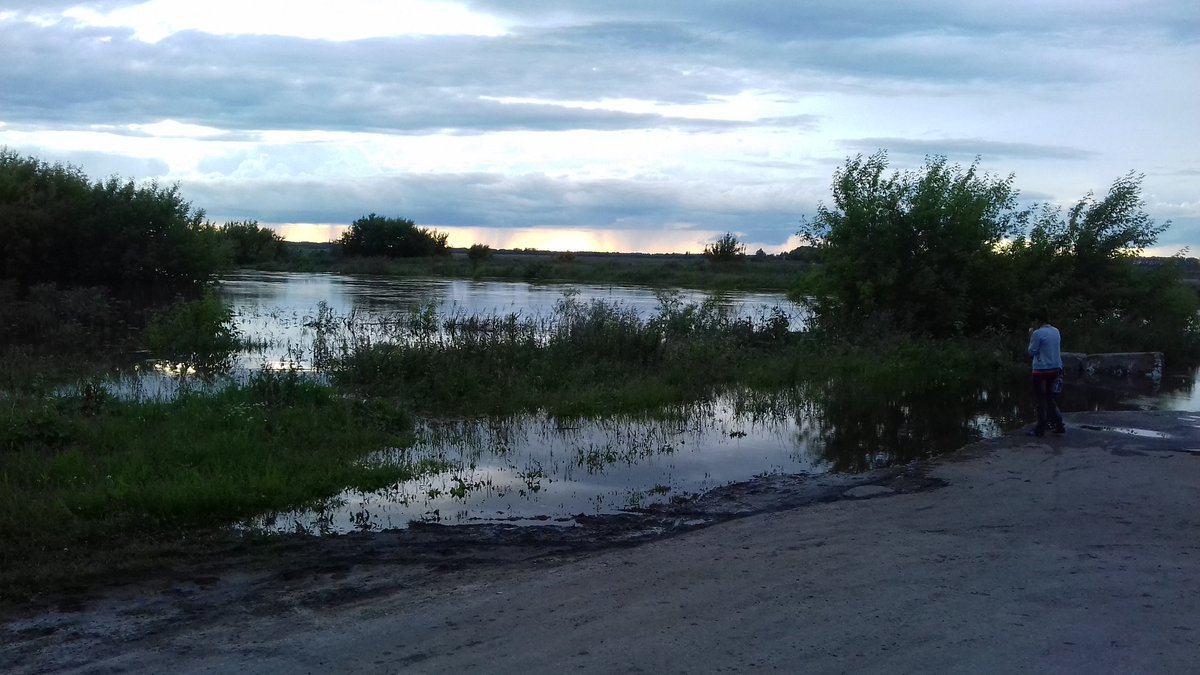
620, 125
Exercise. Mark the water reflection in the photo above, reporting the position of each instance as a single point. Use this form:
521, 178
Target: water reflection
535, 469
281, 313
542, 470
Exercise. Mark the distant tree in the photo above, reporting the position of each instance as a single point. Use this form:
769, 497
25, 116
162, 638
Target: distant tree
479, 253
725, 249
375, 235
251, 243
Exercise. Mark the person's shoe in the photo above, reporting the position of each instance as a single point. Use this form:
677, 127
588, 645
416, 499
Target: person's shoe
1060, 430
1034, 432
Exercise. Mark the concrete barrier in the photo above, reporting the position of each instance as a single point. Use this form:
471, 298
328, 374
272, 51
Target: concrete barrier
1119, 365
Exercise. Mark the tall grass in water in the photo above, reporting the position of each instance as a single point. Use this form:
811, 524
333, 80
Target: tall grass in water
584, 358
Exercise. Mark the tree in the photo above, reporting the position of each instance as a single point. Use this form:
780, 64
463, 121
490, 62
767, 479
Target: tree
1084, 267
479, 253
57, 226
725, 249
375, 235
914, 251
251, 243
945, 250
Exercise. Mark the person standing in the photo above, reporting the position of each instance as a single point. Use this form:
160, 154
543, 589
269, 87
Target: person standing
1045, 346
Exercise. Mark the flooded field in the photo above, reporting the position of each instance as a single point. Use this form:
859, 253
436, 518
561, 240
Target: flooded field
539, 469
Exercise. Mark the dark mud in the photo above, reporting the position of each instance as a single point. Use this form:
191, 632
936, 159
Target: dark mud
322, 570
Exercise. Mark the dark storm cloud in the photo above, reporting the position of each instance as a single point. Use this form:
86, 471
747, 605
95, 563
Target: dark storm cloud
495, 201
964, 147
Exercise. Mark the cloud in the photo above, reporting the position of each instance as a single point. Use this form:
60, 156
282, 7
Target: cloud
64, 74
489, 200
964, 147
861, 18
102, 164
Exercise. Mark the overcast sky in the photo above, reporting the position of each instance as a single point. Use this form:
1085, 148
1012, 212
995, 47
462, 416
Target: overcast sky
608, 124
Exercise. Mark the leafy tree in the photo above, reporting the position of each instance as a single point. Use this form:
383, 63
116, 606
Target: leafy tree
945, 250
250, 242
726, 249
1083, 266
57, 226
914, 251
479, 253
375, 235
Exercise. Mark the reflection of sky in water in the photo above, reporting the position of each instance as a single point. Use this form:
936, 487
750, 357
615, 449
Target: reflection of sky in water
535, 468
275, 311
278, 308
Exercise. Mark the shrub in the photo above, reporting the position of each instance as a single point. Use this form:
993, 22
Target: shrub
725, 249
479, 253
914, 251
56, 226
249, 242
197, 333
375, 235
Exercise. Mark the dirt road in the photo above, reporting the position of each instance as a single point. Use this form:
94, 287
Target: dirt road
1078, 554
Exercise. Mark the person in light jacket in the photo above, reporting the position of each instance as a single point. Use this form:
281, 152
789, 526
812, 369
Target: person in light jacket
1045, 345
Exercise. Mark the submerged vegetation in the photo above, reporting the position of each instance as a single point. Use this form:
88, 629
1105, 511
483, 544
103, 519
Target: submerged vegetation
918, 288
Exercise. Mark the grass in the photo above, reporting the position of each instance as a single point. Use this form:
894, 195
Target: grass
84, 475
585, 359
767, 273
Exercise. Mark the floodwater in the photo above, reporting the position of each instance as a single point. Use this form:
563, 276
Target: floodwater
535, 469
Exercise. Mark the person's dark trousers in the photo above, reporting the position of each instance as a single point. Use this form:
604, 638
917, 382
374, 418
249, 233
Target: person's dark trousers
1043, 395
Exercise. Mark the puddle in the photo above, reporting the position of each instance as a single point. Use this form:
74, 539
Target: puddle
541, 471
1129, 431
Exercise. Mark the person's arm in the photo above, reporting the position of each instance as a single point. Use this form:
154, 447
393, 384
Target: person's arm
1035, 343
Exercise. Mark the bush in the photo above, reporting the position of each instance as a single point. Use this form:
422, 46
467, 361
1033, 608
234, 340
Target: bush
198, 333
915, 251
375, 235
944, 251
725, 249
479, 253
249, 242
56, 226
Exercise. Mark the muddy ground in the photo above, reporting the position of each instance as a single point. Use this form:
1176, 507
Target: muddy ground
1074, 554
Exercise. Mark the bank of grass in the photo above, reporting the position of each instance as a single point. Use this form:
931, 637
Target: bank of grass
765, 273
86, 476
598, 358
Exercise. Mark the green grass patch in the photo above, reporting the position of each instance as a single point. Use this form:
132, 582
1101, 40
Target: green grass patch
766, 273
88, 473
586, 359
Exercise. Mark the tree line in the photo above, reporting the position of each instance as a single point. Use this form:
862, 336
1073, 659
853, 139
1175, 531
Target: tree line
944, 250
